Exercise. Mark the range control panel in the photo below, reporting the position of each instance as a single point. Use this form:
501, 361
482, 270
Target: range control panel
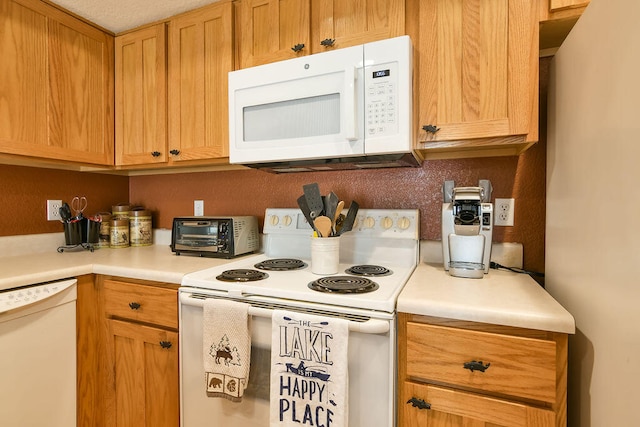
384, 223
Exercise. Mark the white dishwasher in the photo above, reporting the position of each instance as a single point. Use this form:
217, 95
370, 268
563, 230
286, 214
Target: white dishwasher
38, 355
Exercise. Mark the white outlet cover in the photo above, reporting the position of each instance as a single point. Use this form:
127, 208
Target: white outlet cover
53, 210
503, 212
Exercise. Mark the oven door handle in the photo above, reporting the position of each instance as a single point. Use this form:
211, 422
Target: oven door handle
371, 326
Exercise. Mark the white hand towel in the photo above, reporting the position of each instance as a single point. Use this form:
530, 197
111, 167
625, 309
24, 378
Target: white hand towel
309, 375
226, 345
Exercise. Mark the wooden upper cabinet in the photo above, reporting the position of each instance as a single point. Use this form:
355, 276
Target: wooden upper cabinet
350, 23
555, 5
272, 30
477, 76
200, 57
141, 96
275, 30
23, 72
56, 85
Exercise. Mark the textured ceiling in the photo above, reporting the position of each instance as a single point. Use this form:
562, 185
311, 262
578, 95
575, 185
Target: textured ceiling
121, 15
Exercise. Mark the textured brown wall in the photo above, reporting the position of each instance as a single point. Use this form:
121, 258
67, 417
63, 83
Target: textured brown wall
24, 192
248, 192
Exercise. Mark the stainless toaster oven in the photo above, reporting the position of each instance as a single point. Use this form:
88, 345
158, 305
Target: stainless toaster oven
220, 237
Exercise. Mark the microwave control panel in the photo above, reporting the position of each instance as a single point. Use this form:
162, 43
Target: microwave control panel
381, 82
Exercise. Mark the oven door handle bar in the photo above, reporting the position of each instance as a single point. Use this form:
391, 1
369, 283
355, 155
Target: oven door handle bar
371, 326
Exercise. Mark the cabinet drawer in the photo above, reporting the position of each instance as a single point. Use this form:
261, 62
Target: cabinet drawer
516, 366
141, 303
428, 405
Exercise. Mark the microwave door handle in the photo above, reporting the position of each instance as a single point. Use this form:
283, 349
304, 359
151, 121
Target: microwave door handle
350, 92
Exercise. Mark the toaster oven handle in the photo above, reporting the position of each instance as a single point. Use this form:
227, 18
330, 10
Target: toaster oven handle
350, 99
371, 326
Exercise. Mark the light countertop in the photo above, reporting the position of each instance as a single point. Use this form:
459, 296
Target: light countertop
501, 297
155, 262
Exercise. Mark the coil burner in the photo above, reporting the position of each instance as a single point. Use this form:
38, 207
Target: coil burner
281, 264
242, 275
344, 285
368, 270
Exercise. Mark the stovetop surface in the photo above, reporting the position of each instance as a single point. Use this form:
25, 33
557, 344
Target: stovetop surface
388, 238
293, 285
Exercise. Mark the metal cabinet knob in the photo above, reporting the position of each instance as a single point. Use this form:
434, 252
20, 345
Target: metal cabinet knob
430, 128
297, 48
174, 152
327, 42
476, 366
156, 153
165, 344
134, 305
419, 403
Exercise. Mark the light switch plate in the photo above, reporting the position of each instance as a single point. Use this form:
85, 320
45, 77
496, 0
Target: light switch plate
198, 207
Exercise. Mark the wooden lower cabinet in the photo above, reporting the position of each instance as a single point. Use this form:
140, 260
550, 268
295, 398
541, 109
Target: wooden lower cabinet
127, 353
457, 373
146, 375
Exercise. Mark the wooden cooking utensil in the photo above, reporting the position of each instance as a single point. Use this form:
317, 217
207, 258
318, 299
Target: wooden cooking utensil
323, 226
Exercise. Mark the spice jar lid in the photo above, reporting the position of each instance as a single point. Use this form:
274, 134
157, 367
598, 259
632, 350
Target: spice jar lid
119, 222
120, 208
142, 212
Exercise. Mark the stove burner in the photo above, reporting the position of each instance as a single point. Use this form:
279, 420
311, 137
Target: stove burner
281, 264
368, 270
344, 285
242, 275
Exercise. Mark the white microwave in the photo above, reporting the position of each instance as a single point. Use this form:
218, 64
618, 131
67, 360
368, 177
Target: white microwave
342, 109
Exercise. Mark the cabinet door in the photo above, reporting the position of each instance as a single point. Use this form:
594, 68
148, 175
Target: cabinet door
141, 96
146, 375
270, 30
200, 57
81, 98
23, 78
478, 71
555, 5
350, 23
56, 85
432, 406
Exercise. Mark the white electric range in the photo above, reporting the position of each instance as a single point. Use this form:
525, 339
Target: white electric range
383, 243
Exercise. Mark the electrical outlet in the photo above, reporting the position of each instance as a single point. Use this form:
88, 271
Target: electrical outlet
198, 207
504, 212
53, 210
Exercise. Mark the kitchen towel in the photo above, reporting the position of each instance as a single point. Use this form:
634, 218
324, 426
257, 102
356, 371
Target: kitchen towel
309, 375
226, 345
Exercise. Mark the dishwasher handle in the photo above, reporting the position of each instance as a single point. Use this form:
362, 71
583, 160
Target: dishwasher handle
371, 326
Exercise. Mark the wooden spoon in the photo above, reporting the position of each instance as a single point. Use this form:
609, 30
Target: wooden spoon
323, 225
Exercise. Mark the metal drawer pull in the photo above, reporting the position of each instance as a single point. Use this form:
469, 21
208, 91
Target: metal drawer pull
419, 403
430, 128
297, 48
156, 153
134, 305
174, 152
165, 344
476, 366
327, 42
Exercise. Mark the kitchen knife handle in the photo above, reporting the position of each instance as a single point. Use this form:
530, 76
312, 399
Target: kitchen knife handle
134, 305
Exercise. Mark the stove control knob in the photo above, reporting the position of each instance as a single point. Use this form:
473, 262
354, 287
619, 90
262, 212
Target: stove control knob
286, 220
274, 220
404, 223
387, 223
369, 222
